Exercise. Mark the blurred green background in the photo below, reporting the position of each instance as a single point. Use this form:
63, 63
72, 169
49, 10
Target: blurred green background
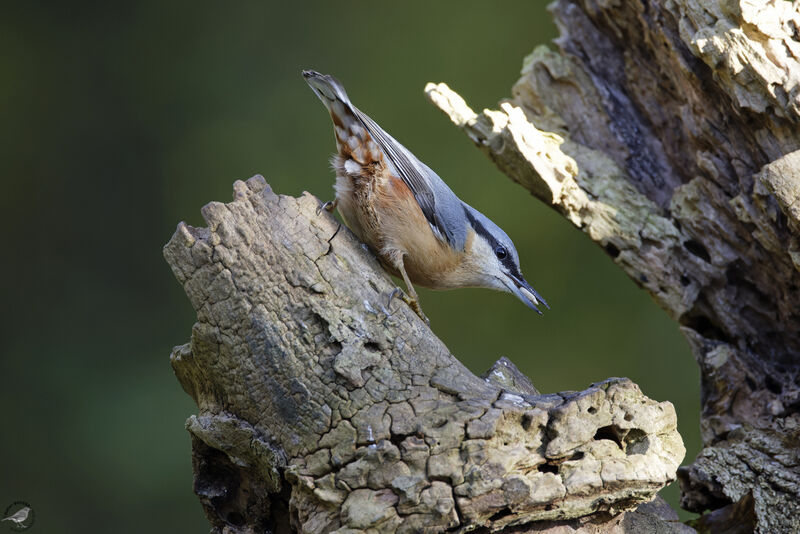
121, 119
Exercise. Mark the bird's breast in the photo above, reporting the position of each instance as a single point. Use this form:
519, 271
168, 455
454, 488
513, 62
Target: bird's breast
383, 212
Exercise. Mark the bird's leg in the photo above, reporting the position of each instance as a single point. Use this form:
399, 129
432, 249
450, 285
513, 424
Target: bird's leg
328, 206
411, 298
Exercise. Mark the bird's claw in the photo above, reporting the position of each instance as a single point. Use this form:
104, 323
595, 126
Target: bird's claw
328, 206
418, 310
396, 291
413, 303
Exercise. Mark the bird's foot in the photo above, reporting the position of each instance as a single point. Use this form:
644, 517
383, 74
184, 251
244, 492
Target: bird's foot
328, 206
412, 302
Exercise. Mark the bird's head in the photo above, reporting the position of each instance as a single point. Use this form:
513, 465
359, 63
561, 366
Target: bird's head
495, 262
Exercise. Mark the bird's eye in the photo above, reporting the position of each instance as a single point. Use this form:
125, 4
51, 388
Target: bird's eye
501, 252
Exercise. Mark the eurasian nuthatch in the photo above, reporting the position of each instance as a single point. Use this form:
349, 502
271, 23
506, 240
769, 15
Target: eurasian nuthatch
407, 215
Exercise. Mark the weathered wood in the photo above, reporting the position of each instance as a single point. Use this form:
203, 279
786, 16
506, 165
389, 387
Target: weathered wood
321, 408
668, 131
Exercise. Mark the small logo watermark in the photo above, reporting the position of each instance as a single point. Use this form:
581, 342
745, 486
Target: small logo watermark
19, 516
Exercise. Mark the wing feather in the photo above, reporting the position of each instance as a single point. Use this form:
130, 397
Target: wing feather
423, 183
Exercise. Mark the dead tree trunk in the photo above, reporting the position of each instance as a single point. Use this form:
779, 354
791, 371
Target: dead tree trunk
320, 409
668, 131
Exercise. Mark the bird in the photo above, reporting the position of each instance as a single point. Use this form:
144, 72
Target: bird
407, 215
18, 517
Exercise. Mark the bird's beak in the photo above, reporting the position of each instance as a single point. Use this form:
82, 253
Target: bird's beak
525, 292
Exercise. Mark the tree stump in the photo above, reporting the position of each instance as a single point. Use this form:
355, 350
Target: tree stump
323, 408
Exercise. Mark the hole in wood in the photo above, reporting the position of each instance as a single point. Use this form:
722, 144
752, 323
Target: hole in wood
504, 512
636, 442
698, 249
547, 468
612, 250
610, 433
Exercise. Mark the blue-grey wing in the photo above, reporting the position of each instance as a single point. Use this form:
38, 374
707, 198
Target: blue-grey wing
441, 207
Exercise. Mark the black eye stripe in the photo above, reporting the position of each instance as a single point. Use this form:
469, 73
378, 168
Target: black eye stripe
478, 227
508, 260
512, 268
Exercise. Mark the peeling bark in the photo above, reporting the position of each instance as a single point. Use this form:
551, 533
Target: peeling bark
668, 131
322, 409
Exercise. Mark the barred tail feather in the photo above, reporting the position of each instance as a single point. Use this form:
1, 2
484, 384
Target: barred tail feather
327, 88
351, 136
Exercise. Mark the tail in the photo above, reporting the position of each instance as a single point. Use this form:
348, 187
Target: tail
349, 127
327, 88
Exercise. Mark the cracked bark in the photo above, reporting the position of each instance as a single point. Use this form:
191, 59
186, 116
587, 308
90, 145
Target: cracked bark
668, 131
321, 410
